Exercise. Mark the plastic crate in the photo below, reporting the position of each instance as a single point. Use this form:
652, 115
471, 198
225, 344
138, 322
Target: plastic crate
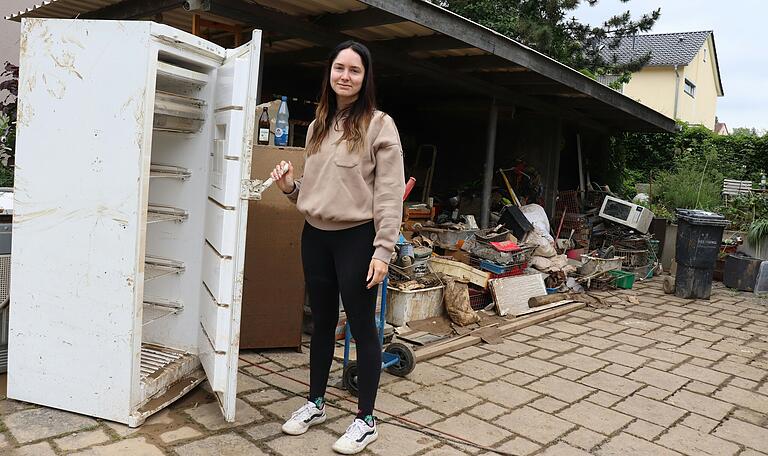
498, 271
516, 270
623, 279
479, 299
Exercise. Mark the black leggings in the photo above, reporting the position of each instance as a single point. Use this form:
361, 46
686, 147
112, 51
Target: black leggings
337, 262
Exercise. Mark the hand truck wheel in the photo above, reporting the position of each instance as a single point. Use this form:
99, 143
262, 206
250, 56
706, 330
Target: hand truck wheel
407, 359
349, 378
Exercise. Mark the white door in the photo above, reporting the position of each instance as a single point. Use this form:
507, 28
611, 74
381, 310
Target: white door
226, 218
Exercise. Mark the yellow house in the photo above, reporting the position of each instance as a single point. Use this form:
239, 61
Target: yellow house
682, 78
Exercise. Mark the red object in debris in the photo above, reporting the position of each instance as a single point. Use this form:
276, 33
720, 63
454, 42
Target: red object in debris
409, 186
516, 270
505, 246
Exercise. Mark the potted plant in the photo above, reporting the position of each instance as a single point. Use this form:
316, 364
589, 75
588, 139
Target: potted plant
757, 236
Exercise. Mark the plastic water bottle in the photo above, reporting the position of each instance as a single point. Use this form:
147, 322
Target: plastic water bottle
281, 126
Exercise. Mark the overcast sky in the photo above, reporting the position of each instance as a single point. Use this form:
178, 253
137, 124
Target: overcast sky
739, 27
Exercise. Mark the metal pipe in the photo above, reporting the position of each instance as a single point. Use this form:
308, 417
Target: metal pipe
677, 92
490, 151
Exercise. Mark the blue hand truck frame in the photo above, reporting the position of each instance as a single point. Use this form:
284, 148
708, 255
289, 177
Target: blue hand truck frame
397, 358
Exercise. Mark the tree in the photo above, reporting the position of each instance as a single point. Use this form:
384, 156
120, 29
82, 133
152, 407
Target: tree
544, 25
744, 131
9, 90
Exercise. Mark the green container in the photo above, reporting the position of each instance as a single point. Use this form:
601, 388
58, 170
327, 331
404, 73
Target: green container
623, 279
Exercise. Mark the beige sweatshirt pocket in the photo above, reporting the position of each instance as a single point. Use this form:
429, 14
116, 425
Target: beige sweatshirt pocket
346, 159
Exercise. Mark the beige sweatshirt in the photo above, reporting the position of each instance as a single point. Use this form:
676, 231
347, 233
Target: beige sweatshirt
342, 189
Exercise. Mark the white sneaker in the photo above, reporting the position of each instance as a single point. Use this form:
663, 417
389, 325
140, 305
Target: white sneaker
308, 415
357, 437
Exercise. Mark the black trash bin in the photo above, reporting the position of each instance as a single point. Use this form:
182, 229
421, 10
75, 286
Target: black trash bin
699, 235
741, 271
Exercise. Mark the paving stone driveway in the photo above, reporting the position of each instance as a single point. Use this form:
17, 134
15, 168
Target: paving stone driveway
666, 376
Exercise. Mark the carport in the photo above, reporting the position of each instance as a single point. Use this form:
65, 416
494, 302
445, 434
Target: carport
483, 100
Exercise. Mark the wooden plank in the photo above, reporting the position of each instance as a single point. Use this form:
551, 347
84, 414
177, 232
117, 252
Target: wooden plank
546, 306
520, 323
429, 352
461, 270
196, 24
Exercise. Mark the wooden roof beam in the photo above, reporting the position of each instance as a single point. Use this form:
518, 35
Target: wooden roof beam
133, 9
413, 44
369, 17
473, 62
436, 42
313, 54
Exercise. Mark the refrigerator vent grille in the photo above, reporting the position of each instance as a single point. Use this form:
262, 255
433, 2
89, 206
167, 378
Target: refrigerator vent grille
155, 358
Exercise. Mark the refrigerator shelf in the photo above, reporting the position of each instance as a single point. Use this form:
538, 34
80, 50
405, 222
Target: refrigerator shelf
178, 113
157, 213
157, 308
157, 170
175, 105
156, 267
172, 78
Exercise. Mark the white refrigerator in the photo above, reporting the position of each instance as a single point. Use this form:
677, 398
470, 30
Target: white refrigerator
132, 179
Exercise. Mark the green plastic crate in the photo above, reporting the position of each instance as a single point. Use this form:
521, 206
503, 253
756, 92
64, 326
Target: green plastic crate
623, 279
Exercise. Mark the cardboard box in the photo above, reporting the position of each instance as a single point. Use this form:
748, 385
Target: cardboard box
273, 283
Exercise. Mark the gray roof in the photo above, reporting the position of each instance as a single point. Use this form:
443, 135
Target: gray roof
666, 48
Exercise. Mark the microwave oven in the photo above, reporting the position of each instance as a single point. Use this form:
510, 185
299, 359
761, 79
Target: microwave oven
625, 213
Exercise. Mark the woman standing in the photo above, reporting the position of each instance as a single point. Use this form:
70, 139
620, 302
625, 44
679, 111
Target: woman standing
351, 195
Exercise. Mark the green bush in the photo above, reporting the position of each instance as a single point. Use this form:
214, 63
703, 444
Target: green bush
694, 182
686, 169
742, 157
744, 210
6, 176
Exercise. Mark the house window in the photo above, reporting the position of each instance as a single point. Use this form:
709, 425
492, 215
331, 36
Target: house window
690, 88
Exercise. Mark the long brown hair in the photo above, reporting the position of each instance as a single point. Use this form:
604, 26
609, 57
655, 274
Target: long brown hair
359, 113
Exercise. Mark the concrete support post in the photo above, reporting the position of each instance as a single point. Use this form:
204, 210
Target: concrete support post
490, 151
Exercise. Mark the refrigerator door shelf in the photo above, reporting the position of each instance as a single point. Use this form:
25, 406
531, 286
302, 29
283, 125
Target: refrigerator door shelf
157, 170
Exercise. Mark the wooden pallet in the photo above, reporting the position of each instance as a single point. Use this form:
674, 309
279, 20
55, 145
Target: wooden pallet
436, 349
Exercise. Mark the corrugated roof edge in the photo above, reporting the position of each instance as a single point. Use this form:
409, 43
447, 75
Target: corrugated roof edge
17, 16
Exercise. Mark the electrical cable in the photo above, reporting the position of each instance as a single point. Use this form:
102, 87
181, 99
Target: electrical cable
424, 429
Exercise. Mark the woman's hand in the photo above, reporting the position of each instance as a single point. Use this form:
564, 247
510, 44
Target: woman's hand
377, 270
284, 180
